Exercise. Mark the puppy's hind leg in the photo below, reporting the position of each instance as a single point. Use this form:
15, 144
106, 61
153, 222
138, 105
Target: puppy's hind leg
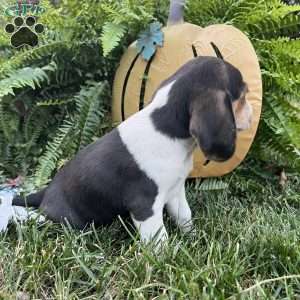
56, 207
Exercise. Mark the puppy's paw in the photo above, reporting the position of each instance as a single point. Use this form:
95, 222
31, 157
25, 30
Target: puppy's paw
192, 233
160, 245
187, 227
157, 242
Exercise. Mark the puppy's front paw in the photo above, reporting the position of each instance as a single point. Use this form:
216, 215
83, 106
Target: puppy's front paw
189, 229
158, 241
187, 226
192, 233
152, 230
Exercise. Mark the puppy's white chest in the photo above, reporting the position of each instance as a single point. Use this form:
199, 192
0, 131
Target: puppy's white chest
166, 161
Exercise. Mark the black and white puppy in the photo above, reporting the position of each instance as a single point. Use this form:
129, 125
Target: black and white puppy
141, 166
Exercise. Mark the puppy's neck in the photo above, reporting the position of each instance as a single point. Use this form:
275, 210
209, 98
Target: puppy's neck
170, 113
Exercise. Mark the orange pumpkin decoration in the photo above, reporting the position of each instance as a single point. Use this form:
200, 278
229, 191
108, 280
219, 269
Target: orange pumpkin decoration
136, 79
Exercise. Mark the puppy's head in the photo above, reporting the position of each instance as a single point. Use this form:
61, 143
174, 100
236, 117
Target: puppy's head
216, 114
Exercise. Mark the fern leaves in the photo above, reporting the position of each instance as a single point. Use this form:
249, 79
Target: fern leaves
111, 36
90, 110
76, 131
20, 59
53, 153
269, 27
26, 77
123, 16
211, 184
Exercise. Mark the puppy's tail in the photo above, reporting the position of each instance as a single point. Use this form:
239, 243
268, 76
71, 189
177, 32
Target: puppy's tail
33, 200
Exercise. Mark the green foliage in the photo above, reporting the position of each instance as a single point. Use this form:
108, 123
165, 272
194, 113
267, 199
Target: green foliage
128, 12
76, 132
111, 36
25, 77
54, 101
90, 110
20, 136
54, 151
122, 17
212, 184
53, 98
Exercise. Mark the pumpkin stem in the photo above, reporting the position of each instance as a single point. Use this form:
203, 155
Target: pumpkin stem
176, 12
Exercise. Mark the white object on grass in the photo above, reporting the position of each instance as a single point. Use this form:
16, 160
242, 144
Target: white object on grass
10, 213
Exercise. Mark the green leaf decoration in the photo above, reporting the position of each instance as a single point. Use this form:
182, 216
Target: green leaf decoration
149, 40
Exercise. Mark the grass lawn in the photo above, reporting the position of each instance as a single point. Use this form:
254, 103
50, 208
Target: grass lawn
247, 233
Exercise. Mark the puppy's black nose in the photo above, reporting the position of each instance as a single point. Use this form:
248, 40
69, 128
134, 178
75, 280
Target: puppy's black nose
219, 152
225, 153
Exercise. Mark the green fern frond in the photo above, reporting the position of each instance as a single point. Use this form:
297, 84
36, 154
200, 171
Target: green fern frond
244, 9
128, 12
33, 138
54, 102
287, 47
20, 59
8, 122
30, 77
269, 27
121, 17
32, 122
283, 123
111, 36
211, 11
76, 132
90, 110
275, 148
284, 47
54, 150
212, 184
4, 126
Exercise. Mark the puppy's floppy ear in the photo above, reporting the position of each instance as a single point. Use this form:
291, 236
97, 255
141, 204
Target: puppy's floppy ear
212, 123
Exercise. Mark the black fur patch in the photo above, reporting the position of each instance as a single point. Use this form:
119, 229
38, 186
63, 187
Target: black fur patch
100, 182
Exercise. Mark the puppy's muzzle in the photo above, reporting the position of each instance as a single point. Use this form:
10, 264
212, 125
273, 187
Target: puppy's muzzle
244, 120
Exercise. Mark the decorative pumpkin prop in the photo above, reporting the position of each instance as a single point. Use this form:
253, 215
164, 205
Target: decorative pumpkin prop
137, 79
